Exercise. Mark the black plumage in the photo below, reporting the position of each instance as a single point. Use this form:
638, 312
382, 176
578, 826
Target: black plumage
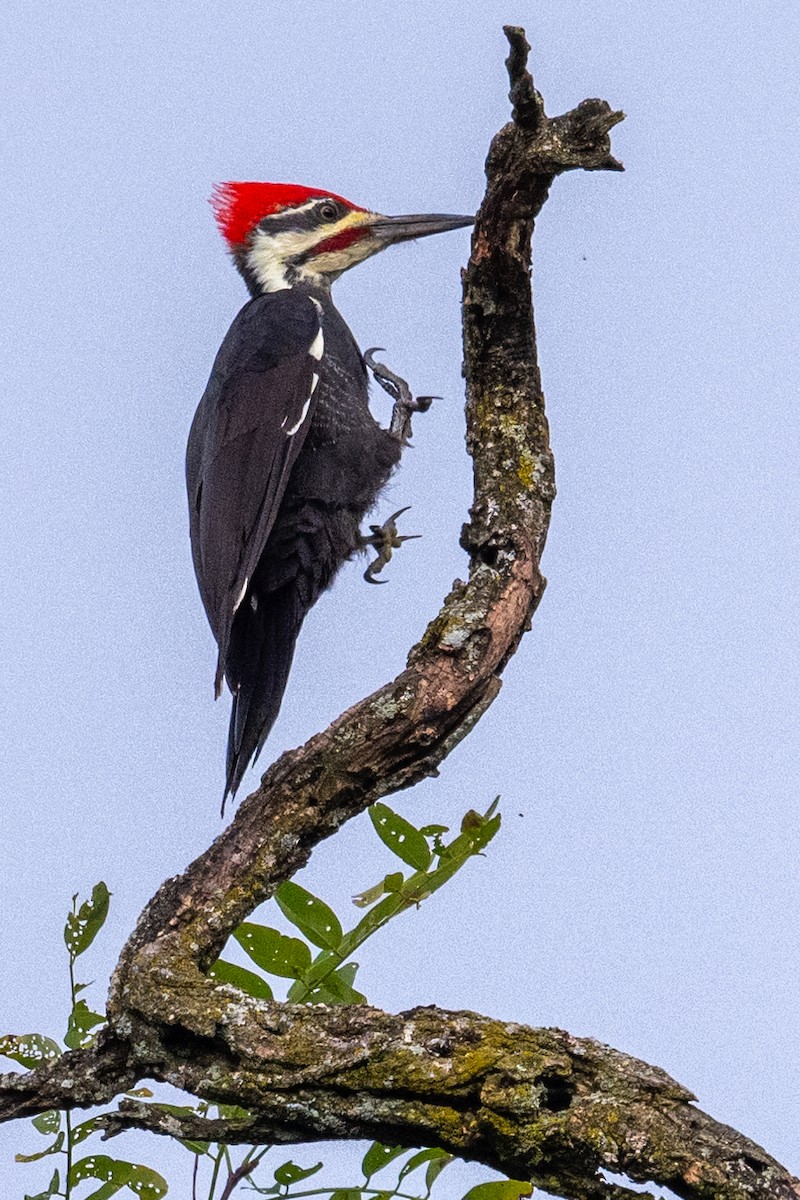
284, 458
280, 474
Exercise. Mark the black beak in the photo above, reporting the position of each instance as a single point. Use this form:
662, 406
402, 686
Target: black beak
401, 229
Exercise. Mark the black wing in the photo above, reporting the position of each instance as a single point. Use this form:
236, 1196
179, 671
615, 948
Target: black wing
247, 432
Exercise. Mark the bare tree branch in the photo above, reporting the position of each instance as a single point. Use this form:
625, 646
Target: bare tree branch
79, 1079
537, 1104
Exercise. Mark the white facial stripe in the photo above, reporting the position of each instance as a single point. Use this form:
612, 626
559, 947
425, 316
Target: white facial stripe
291, 432
317, 346
270, 252
267, 258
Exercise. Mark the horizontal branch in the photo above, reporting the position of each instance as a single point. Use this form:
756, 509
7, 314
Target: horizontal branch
78, 1079
535, 1104
151, 1118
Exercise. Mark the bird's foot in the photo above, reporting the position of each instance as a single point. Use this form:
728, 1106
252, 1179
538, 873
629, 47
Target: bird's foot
385, 539
405, 404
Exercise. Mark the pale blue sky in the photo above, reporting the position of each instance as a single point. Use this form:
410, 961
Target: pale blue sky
647, 730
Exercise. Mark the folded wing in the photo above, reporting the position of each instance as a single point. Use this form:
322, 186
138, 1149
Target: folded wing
246, 435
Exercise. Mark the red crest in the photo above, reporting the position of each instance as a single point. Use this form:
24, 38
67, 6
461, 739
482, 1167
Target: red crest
238, 207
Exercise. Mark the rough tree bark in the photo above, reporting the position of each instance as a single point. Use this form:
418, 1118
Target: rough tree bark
537, 1104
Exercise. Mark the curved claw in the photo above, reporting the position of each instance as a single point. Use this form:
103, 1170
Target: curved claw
391, 520
369, 573
385, 539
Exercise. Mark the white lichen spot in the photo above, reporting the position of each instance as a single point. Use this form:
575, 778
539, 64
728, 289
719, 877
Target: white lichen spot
454, 639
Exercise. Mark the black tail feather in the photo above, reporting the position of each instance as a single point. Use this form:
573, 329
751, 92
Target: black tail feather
259, 660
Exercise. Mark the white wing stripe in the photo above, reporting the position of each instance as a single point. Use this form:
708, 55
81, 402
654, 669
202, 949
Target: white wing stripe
317, 346
303, 415
241, 595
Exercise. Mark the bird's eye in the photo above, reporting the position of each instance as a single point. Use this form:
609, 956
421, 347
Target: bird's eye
328, 211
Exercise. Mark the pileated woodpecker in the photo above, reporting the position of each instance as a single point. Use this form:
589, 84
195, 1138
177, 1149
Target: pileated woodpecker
284, 457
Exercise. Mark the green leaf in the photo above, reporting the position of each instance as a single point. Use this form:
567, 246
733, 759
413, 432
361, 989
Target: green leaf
299, 992
500, 1189
47, 1122
178, 1110
289, 1173
379, 1156
196, 1147
29, 1049
402, 838
232, 1112
86, 1128
311, 915
325, 983
476, 832
142, 1091
347, 973
435, 832
53, 1189
424, 1156
116, 1174
101, 1166
105, 1192
240, 977
435, 1168
376, 916
56, 1148
337, 988
81, 1023
346, 1194
389, 883
364, 899
274, 953
83, 926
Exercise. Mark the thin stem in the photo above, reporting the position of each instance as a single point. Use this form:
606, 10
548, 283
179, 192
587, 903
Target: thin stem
67, 1115
258, 1157
327, 1191
68, 1152
243, 1171
339, 957
195, 1170
215, 1175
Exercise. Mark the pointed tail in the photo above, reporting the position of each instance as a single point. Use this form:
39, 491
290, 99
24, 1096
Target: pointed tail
258, 663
